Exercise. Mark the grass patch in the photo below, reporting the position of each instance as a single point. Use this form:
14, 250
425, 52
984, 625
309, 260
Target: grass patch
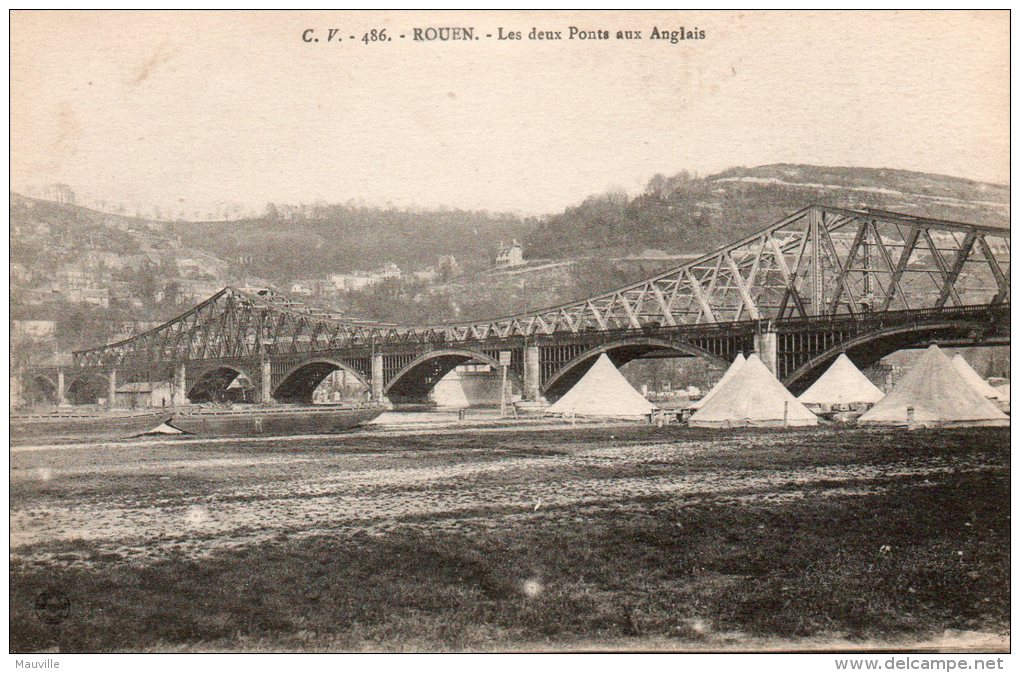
915, 560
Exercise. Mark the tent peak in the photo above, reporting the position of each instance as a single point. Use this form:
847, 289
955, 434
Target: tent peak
603, 391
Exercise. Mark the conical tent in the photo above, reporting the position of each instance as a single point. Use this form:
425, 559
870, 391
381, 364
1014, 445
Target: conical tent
752, 397
1003, 392
603, 391
974, 379
933, 394
842, 383
727, 375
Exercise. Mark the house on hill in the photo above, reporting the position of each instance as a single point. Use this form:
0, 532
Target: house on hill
33, 329
359, 280
510, 256
388, 270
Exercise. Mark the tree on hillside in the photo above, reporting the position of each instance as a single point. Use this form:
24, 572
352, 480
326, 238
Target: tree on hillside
61, 193
84, 325
447, 267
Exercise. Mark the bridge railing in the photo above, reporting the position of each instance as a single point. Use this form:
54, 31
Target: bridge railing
439, 339
901, 315
749, 326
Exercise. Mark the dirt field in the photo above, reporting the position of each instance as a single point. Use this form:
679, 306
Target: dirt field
419, 537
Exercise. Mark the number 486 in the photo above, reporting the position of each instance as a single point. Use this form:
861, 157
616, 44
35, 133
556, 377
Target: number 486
375, 36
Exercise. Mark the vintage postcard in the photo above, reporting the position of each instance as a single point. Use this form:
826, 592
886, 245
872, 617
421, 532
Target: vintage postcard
510, 331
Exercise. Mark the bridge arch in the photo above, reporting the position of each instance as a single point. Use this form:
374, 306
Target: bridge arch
213, 384
300, 381
39, 389
87, 388
620, 353
867, 349
414, 381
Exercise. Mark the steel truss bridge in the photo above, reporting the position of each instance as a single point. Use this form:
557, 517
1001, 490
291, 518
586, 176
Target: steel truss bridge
820, 282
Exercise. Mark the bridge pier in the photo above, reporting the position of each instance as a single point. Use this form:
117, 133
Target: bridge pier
377, 377
61, 393
266, 379
765, 346
532, 374
180, 389
111, 399
15, 390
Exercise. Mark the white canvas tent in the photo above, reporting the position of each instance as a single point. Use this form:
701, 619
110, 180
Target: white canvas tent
842, 383
933, 394
603, 391
974, 379
1003, 391
737, 363
752, 397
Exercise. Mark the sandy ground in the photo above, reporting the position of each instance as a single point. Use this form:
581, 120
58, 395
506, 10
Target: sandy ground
143, 500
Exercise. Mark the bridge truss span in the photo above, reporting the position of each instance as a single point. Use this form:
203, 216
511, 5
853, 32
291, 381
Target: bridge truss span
796, 290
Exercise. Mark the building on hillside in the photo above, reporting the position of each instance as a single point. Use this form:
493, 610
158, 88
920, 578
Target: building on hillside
386, 271
313, 287
97, 296
72, 278
126, 330
510, 256
358, 280
78, 277
428, 275
188, 268
40, 295
121, 294
200, 266
251, 285
33, 329
110, 260
197, 290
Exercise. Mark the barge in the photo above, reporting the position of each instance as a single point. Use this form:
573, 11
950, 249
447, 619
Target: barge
78, 425
272, 421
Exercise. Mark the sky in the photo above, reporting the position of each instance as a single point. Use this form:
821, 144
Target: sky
183, 111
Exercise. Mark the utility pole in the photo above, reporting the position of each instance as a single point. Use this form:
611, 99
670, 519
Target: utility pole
504, 364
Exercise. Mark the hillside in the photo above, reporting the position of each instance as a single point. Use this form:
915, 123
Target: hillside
93, 272
153, 270
311, 242
683, 213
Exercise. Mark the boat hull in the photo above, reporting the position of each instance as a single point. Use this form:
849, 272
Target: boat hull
67, 427
272, 422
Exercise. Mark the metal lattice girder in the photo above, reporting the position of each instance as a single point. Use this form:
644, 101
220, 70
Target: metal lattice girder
817, 261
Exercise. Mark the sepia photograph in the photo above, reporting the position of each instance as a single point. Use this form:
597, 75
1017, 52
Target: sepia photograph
572, 331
